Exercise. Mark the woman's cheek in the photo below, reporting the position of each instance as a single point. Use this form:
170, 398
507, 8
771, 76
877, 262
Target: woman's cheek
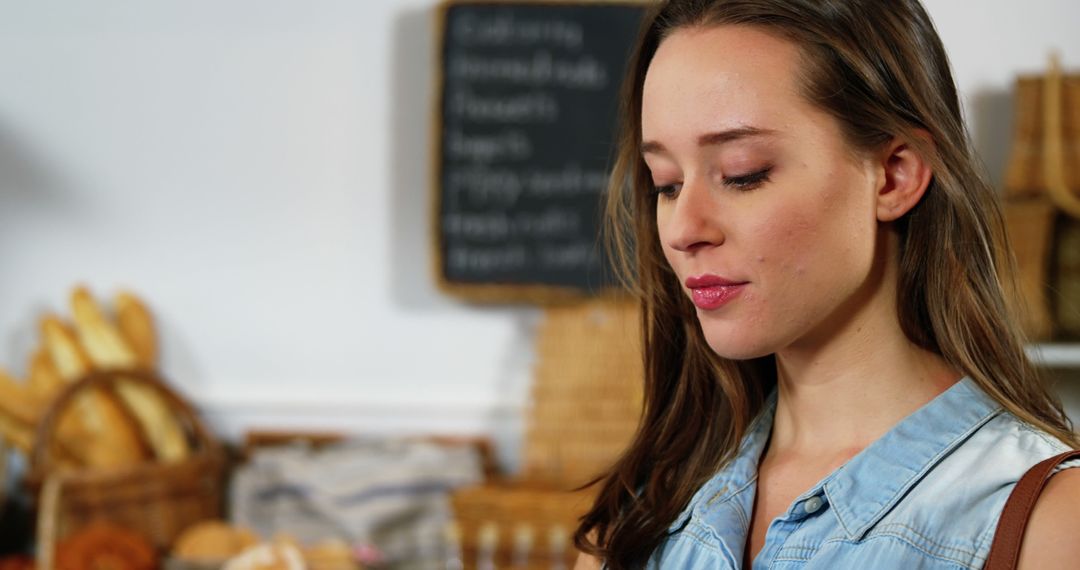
786, 238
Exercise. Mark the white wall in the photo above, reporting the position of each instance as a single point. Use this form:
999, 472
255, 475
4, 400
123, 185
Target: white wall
259, 171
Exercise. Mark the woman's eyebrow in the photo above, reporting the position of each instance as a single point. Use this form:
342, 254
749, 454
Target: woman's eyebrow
721, 137
712, 139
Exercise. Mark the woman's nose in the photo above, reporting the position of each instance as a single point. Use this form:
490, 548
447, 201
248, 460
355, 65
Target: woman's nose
693, 218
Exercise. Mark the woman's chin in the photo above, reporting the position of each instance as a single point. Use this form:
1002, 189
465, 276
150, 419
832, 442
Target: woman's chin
736, 347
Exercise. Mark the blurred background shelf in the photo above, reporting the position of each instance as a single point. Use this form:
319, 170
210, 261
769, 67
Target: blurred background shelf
1056, 355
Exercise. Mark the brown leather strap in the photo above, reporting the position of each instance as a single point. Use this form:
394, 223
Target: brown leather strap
1005, 550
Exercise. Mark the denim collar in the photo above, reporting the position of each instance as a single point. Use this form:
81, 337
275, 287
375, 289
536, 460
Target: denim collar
866, 487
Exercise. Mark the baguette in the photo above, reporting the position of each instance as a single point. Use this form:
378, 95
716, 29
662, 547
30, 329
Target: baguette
107, 348
17, 403
18, 434
16, 420
137, 327
21, 437
20, 413
68, 358
102, 341
112, 439
45, 382
44, 385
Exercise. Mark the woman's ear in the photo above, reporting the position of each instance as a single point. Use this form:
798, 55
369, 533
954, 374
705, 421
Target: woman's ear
907, 174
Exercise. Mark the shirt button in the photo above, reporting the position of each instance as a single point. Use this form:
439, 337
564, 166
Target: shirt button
812, 505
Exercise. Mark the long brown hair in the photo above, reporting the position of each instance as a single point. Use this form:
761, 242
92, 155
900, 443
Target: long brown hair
879, 68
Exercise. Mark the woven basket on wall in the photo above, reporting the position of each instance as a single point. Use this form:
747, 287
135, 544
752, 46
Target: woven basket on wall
1026, 174
588, 392
158, 500
587, 399
1042, 202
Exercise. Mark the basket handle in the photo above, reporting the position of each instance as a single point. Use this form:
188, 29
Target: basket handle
1053, 141
107, 380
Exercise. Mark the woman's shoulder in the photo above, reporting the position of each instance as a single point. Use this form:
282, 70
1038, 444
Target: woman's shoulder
1050, 538
986, 465
1009, 441
956, 505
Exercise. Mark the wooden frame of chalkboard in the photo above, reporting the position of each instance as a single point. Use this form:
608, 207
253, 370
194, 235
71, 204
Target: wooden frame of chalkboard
485, 212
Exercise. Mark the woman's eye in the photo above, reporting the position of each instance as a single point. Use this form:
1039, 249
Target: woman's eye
667, 190
748, 181
744, 182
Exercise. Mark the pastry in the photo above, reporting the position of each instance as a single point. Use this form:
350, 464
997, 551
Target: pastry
330, 554
16, 562
101, 546
212, 541
268, 556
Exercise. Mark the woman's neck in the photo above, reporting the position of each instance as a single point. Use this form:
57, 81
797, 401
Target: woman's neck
845, 391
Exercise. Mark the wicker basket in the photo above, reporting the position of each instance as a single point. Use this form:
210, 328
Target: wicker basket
159, 500
587, 401
1042, 201
550, 515
1031, 228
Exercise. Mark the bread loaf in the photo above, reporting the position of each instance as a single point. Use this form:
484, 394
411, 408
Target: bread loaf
45, 382
213, 541
21, 412
17, 434
137, 326
16, 401
269, 556
107, 349
112, 439
68, 358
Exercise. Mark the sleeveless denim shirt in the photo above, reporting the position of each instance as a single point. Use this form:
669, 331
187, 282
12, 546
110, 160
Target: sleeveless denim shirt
926, 495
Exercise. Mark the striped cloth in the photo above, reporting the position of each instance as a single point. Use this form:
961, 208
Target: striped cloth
393, 494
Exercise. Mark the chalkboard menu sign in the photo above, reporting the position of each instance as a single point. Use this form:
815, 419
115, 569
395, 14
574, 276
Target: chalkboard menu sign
526, 129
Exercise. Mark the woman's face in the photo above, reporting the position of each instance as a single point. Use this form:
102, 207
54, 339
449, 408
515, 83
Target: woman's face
766, 215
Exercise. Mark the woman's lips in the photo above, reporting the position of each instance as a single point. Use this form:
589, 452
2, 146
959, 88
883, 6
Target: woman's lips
712, 292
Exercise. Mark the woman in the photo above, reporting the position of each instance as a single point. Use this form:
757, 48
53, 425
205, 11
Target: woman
833, 377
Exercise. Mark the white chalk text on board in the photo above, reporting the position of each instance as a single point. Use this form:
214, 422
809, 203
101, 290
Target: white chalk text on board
530, 93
